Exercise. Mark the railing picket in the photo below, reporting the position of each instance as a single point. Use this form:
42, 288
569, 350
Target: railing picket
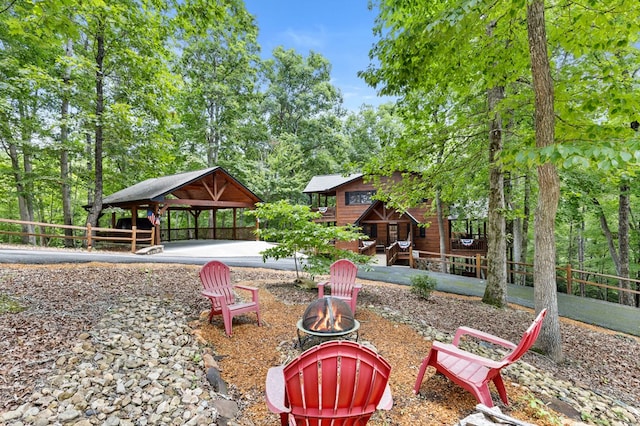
521, 269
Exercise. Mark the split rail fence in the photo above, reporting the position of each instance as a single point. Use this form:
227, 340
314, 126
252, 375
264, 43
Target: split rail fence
569, 280
86, 235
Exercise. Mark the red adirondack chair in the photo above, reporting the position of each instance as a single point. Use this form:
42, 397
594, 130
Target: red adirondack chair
474, 372
342, 280
217, 287
338, 382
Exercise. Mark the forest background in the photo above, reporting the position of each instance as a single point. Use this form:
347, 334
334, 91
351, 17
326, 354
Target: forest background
96, 96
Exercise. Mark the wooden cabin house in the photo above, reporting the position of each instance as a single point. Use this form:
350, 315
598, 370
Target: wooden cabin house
349, 199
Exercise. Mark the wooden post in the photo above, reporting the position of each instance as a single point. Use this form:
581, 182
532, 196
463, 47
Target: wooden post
133, 239
89, 237
215, 221
569, 279
478, 266
257, 229
235, 223
411, 262
168, 225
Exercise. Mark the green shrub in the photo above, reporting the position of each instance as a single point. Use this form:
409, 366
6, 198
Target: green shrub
8, 305
422, 285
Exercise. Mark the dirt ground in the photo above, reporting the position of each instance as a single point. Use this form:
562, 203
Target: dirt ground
64, 300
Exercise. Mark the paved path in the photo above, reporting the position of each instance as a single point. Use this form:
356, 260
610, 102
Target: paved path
615, 317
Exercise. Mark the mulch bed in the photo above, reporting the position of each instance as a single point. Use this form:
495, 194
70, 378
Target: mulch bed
63, 301
247, 355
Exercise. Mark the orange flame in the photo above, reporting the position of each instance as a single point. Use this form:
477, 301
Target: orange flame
329, 319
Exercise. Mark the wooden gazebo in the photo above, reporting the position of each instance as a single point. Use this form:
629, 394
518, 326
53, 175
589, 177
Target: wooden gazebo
193, 193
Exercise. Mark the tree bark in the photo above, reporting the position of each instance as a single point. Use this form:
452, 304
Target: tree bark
65, 186
96, 207
521, 237
544, 270
606, 231
495, 292
624, 206
18, 176
581, 256
441, 230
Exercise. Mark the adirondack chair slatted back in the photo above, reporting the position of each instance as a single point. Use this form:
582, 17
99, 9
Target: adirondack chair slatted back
336, 383
343, 282
216, 277
343, 277
474, 372
528, 339
217, 287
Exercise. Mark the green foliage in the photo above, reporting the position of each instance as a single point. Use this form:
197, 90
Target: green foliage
298, 236
422, 285
539, 410
8, 305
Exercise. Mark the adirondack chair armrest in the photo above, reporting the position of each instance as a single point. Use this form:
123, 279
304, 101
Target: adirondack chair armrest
218, 296
275, 390
207, 293
467, 331
321, 286
253, 290
462, 354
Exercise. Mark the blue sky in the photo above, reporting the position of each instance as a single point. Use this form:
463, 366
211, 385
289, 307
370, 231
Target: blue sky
340, 30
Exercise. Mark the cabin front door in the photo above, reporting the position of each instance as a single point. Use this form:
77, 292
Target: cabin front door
392, 233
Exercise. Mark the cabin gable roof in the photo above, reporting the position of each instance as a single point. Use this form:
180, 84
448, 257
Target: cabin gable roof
379, 211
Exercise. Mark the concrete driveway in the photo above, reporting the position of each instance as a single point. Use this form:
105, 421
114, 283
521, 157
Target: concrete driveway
214, 248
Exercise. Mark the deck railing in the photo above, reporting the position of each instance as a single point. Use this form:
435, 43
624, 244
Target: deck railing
367, 248
568, 280
469, 244
328, 214
218, 233
400, 250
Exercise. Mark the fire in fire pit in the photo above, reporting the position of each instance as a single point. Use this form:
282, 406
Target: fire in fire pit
328, 315
325, 319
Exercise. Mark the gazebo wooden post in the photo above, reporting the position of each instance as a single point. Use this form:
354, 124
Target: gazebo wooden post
257, 229
235, 223
134, 216
155, 235
215, 222
196, 217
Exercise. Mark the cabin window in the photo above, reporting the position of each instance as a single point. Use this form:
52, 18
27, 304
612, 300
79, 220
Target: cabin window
370, 230
423, 231
358, 197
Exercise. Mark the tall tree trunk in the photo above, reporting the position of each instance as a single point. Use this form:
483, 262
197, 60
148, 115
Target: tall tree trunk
18, 176
511, 224
441, 230
495, 292
522, 224
96, 207
581, 256
624, 206
544, 269
64, 152
606, 231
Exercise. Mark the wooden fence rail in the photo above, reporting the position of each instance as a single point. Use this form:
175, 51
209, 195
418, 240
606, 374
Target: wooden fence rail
569, 280
87, 235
